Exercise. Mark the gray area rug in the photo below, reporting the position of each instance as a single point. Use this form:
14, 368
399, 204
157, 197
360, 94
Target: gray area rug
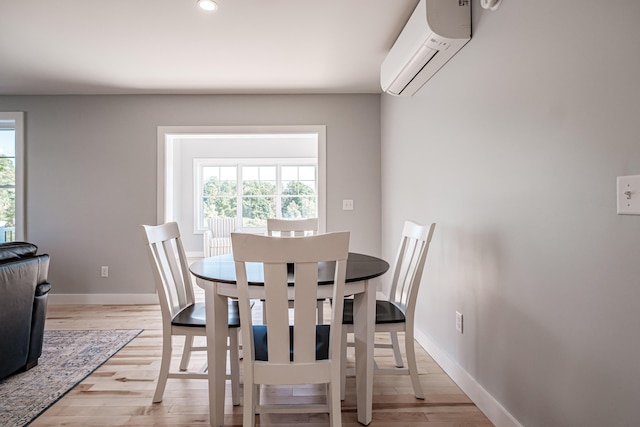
67, 358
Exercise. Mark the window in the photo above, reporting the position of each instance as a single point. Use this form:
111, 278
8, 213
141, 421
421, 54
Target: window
253, 190
11, 177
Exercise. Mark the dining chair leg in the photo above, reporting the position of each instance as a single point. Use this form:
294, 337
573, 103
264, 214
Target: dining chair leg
411, 361
333, 398
320, 311
251, 393
256, 390
396, 349
164, 367
240, 355
186, 352
234, 362
343, 364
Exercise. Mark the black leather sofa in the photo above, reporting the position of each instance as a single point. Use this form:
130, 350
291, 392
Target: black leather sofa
23, 306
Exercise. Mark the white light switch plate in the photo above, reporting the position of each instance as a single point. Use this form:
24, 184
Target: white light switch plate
347, 205
628, 195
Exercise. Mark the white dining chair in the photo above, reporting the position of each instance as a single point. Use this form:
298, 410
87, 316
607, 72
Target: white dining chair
300, 352
397, 312
295, 228
181, 315
292, 227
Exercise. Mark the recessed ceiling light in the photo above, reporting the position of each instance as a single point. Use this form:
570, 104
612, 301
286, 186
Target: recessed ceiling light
208, 5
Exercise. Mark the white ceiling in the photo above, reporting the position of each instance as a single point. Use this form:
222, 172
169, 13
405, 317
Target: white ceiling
172, 46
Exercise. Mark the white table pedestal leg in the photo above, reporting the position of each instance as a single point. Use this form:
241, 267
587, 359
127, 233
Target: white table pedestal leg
364, 326
217, 326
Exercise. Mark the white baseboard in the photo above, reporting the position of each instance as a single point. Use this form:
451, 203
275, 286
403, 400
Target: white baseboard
497, 414
102, 299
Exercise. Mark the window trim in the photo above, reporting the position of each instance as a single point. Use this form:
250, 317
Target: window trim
168, 136
18, 119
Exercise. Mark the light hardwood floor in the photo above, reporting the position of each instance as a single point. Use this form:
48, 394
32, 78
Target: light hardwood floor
120, 391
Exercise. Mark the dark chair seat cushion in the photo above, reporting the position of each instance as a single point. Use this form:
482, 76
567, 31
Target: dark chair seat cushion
386, 312
195, 315
262, 349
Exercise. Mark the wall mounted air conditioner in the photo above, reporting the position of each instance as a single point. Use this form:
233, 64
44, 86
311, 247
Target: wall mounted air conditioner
436, 30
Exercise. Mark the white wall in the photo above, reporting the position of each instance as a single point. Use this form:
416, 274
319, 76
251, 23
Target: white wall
513, 149
91, 173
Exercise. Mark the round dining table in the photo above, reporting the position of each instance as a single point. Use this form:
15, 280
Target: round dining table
216, 276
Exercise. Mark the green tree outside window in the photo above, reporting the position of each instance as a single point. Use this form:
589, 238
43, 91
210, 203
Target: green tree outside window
258, 203
219, 198
7, 192
298, 200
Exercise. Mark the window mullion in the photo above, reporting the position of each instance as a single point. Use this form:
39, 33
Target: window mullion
239, 195
278, 190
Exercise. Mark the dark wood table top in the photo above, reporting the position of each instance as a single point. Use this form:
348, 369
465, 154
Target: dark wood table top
221, 269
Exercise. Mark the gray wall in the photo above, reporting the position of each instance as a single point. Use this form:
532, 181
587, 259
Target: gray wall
513, 149
91, 173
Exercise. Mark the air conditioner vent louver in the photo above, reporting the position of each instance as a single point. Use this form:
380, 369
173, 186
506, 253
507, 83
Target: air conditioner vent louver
416, 75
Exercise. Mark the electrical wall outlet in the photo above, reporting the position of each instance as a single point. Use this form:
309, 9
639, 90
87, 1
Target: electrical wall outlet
104, 271
347, 205
458, 321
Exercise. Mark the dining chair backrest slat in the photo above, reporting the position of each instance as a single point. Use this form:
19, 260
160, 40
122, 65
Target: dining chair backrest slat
292, 227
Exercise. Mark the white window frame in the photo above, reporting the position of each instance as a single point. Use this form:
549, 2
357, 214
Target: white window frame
168, 136
199, 163
17, 118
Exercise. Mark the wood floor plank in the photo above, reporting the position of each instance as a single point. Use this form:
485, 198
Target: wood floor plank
119, 393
